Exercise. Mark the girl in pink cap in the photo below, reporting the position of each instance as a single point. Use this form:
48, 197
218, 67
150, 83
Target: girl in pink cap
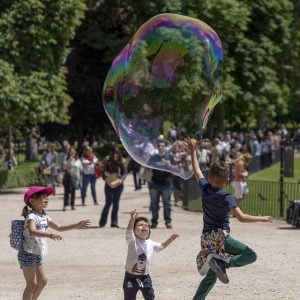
31, 255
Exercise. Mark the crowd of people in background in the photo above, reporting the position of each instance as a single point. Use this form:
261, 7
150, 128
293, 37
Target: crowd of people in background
164, 160
77, 171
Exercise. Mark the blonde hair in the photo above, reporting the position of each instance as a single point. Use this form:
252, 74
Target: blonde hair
246, 157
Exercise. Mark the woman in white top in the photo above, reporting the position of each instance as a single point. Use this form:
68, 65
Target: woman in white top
89, 162
139, 256
31, 255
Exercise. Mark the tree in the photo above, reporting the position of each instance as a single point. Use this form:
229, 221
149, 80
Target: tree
258, 90
34, 40
255, 37
105, 31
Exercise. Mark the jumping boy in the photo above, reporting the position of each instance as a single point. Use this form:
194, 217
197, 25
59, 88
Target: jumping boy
216, 207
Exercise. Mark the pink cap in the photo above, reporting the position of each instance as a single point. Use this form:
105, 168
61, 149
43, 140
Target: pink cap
36, 189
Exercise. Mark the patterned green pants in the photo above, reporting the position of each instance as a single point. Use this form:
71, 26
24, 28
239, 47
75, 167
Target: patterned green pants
241, 256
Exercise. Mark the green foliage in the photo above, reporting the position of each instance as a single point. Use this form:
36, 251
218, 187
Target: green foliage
3, 177
34, 41
255, 37
21, 176
261, 67
261, 41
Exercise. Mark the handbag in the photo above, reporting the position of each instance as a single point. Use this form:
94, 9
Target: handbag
16, 236
112, 180
47, 171
98, 171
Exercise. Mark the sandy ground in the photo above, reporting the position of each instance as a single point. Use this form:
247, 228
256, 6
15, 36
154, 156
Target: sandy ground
89, 263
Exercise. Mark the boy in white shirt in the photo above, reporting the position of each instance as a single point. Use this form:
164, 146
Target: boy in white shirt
139, 256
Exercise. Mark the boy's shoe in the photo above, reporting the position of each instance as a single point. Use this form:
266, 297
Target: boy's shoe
169, 225
153, 226
218, 266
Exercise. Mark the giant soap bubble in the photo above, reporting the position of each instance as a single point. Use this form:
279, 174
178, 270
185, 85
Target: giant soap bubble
169, 73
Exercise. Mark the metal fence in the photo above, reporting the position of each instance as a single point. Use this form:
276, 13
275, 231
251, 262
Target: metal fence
264, 161
263, 197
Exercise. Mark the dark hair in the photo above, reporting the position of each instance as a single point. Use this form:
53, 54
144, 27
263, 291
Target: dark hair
76, 153
118, 152
142, 219
219, 170
25, 210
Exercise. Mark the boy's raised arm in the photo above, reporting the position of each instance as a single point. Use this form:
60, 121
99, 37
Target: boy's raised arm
133, 215
191, 148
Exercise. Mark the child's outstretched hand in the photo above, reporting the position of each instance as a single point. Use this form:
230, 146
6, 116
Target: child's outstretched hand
170, 240
189, 145
83, 224
174, 236
267, 219
134, 214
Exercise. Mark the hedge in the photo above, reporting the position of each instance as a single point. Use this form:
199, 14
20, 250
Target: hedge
21, 176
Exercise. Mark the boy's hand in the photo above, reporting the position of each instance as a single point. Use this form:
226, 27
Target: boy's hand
134, 214
174, 236
83, 224
267, 219
189, 145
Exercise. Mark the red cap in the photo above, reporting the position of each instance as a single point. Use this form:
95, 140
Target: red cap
36, 189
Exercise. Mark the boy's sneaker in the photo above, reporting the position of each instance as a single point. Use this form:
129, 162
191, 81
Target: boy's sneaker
218, 266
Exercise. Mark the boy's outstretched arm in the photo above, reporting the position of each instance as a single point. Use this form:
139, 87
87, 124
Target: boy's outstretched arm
191, 148
133, 215
244, 218
167, 242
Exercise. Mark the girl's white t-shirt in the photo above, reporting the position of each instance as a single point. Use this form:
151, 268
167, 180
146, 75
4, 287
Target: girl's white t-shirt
139, 254
36, 245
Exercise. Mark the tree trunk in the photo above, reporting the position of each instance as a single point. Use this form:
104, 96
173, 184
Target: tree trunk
261, 120
31, 148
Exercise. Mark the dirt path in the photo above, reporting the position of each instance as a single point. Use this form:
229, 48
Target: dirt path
89, 264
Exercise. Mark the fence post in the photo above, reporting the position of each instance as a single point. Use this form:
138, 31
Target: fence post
281, 191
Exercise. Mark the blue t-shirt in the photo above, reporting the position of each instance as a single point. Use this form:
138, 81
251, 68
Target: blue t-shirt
216, 205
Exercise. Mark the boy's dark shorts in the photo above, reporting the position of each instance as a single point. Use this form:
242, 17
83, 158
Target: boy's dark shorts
134, 283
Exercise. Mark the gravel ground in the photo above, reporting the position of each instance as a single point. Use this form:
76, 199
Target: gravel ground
89, 263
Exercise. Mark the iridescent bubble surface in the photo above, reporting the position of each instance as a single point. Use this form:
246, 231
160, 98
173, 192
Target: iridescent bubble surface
169, 73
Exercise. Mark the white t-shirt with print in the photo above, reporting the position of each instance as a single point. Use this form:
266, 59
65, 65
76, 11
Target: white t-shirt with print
139, 254
36, 245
